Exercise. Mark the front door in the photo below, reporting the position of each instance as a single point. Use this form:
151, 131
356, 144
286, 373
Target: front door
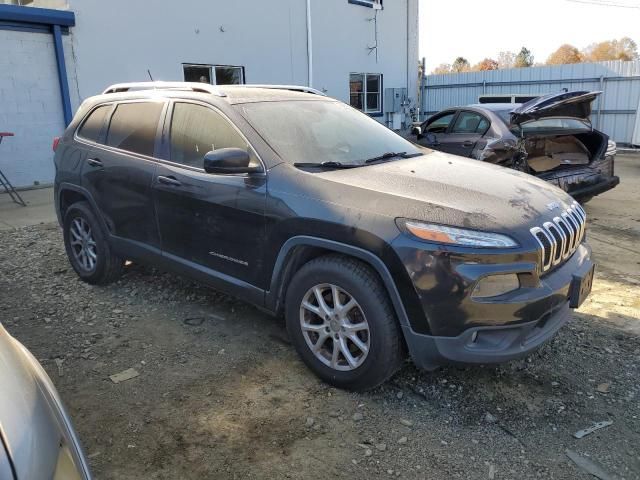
119, 169
434, 131
209, 221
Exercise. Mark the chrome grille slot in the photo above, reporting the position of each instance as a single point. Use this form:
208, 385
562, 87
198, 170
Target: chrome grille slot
559, 239
568, 238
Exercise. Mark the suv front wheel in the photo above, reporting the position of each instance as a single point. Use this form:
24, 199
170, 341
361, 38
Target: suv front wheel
342, 323
87, 248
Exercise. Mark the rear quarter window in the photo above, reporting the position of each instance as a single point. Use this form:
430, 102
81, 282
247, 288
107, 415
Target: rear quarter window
133, 127
92, 126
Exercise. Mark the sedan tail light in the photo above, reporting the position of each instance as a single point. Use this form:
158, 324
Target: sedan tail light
56, 141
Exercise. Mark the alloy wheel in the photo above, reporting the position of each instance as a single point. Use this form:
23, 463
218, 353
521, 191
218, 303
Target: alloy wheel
83, 245
334, 327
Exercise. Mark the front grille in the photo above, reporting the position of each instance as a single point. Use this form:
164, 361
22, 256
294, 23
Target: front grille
561, 237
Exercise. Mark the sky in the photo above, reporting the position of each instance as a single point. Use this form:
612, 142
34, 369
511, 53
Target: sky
476, 29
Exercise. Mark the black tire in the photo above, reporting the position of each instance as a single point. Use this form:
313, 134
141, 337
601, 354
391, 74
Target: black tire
108, 266
585, 199
386, 351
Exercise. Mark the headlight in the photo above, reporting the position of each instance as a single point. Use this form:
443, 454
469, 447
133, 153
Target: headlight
495, 285
612, 149
455, 236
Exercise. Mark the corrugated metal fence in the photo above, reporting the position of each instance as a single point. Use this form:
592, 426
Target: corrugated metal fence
615, 112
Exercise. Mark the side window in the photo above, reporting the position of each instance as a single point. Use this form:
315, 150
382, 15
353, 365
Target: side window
470, 122
365, 92
196, 130
92, 126
133, 127
440, 124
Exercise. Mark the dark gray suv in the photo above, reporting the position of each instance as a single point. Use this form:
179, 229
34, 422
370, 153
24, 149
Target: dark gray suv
370, 246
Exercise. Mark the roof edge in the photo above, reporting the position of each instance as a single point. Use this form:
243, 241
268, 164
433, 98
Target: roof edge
34, 15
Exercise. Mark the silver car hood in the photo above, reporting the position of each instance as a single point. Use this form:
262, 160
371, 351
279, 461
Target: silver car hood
33, 422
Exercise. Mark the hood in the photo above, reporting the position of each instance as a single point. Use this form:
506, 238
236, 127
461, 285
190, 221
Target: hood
567, 105
441, 188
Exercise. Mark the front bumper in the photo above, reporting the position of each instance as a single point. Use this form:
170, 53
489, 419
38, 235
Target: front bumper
485, 345
497, 329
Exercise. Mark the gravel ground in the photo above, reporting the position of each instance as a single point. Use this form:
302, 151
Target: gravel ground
222, 394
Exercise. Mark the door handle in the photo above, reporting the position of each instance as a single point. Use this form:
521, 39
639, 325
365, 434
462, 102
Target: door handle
94, 162
468, 144
169, 181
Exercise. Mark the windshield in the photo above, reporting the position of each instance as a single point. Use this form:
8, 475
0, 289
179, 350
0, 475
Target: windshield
323, 131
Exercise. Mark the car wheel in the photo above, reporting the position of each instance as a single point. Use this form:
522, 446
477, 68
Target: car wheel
342, 324
87, 248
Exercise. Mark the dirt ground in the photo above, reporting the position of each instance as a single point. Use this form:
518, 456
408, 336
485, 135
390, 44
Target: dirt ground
222, 394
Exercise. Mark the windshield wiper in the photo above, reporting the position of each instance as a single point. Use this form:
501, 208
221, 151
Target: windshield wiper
388, 155
325, 165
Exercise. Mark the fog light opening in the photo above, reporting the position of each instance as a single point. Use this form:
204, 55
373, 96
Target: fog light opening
496, 285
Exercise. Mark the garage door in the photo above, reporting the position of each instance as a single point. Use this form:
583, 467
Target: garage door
30, 106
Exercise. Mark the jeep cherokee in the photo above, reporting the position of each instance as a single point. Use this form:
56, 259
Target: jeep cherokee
369, 245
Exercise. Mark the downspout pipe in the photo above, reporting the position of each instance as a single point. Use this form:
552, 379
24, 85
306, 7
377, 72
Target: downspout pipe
309, 45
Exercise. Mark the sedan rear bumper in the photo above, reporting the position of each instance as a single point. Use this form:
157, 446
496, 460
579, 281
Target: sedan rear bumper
596, 188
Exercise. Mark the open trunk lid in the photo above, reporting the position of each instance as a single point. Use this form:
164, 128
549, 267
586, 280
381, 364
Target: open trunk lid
565, 105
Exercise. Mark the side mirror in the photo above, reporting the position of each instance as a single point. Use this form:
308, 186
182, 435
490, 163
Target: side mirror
228, 160
417, 131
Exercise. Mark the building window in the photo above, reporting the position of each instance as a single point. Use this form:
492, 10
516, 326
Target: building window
365, 91
214, 74
377, 4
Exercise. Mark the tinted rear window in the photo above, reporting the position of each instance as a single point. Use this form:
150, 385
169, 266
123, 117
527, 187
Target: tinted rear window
133, 127
92, 126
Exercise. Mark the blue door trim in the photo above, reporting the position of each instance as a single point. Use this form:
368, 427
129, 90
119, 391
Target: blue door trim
57, 22
62, 74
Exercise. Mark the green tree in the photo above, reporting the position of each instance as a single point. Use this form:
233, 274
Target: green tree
461, 64
524, 58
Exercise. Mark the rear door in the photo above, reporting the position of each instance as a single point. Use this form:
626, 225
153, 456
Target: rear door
463, 135
209, 222
119, 171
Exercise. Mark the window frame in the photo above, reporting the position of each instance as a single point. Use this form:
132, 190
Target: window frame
438, 115
103, 129
212, 71
165, 146
157, 147
372, 113
457, 117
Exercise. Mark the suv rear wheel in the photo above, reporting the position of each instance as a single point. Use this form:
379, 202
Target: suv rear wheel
87, 247
342, 324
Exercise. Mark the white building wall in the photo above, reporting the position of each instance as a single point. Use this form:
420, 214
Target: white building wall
30, 105
117, 41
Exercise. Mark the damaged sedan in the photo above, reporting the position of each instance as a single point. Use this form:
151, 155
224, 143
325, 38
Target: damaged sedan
550, 137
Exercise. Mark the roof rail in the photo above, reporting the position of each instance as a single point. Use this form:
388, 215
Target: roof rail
202, 87
293, 88
193, 86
